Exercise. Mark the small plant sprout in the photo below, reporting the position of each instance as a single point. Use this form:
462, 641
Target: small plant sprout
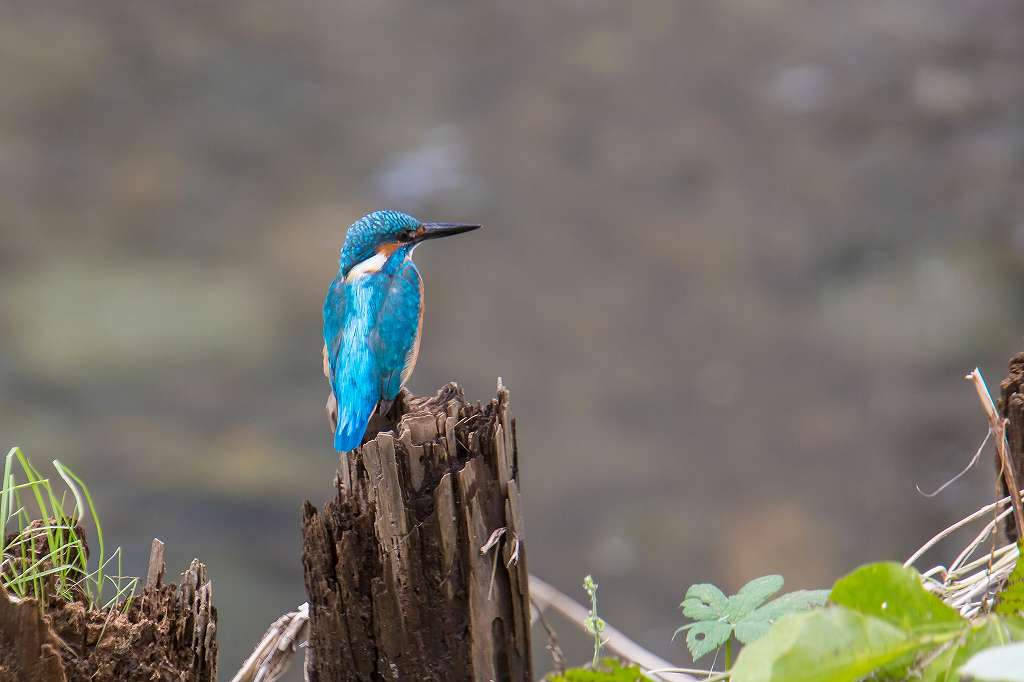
42, 549
593, 623
609, 670
745, 615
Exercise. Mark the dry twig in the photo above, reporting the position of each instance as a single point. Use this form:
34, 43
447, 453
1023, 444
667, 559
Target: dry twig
546, 596
997, 425
273, 654
557, 657
969, 585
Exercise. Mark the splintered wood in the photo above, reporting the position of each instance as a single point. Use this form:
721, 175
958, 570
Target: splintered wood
416, 570
1011, 408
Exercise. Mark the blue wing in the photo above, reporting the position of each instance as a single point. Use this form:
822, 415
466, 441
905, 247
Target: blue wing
354, 366
334, 317
396, 341
349, 365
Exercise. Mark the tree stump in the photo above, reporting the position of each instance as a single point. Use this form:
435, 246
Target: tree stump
168, 634
416, 570
1011, 407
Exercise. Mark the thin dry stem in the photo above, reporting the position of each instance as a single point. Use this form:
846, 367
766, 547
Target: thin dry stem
546, 596
966, 585
946, 532
273, 654
557, 657
998, 427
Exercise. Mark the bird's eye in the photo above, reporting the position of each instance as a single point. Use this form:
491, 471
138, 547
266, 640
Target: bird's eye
406, 235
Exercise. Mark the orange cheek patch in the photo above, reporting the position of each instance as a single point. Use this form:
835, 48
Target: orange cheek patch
387, 249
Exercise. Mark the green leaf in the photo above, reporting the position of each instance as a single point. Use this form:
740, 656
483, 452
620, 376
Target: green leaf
824, 645
893, 593
998, 664
706, 636
609, 671
991, 631
756, 623
751, 630
752, 595
1010, 601
704, 601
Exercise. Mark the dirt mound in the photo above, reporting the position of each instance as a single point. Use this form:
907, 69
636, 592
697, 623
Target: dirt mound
167, 634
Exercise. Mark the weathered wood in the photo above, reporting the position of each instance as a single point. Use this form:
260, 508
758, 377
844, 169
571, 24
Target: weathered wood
1011, 407
167, 635
29, 650
398, 586
157, 567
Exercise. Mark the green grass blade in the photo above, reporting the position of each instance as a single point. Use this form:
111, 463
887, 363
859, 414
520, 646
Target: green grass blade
95, 521
6, 493
27, 566
33, 477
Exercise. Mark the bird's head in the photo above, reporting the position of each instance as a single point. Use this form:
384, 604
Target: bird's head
372, 239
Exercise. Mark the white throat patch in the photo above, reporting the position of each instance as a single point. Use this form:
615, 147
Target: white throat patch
367, 267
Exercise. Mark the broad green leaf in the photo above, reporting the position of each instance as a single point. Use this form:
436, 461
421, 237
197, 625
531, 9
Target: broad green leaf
794, 602
998, 664
704, 601
609, 671
990, 632
759, 620
752, 595
893, 593
751, 630
824, 645
706, 636
1010, 601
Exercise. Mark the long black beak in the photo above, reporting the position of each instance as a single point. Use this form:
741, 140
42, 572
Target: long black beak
435, 230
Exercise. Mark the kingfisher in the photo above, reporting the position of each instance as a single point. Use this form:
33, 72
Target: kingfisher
373, 318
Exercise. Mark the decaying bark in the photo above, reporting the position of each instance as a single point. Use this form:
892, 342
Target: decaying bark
167, 635
29, 651
1011, 407
416, 570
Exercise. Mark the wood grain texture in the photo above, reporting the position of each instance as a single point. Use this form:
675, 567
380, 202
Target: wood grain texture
1011, 407
29, 650
398, 586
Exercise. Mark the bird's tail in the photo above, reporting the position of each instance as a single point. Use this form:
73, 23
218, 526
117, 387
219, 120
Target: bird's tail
352, 419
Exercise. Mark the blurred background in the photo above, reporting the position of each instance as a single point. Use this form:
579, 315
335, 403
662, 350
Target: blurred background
737, 257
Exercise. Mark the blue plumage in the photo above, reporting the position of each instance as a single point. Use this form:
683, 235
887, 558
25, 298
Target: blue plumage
373, 316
